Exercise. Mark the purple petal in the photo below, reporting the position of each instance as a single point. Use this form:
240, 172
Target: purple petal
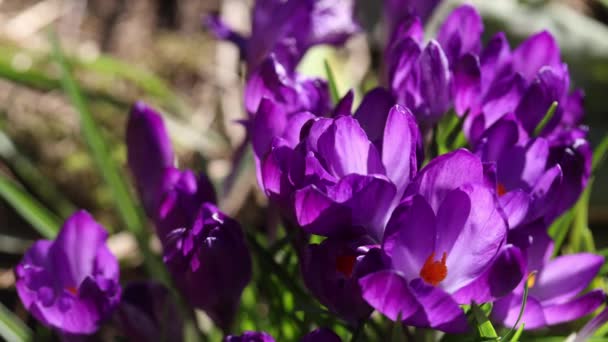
548, 86
494, 57
404, 243
149, 152
445, 173
390, 294
460, 33
75, 249
574, 309
435, 81
399, 145
269, 121
373, 111
471, 230
354, 191
437, 309
565, 277
537, 51
318, 214
498, 280
346, 149
467, 83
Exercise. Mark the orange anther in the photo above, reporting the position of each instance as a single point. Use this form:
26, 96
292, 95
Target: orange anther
433, 272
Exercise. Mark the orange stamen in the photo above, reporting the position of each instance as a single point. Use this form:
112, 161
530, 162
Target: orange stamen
433, 272
73, 290
501, 190
345, 264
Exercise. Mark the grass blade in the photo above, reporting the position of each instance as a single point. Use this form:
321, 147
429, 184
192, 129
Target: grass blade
129, 212
600, 153
12, 329
331, 79
44, 221
29, 175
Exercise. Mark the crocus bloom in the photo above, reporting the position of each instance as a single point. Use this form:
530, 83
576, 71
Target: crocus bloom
554, 294
525, 81
203, 249
170, 196
527, 183
148, 313
70, 283
210, 263
289, 28
279, 103
325, 181
443, 74
447, 245
331, 271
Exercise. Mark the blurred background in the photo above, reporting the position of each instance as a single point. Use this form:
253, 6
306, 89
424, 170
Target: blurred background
158, 51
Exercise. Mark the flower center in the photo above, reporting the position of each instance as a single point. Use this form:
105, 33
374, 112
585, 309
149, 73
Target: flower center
71, 289
345, 264
433, 272
501, 190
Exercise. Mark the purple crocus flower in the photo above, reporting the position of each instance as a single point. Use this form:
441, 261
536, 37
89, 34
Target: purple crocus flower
289, 28
325, 181
331, 271
525, 82
443, 74
148, 313
210, 263
70, 283
170, 196
535, 180
447, 245
527, 183
554, 295
279, 103
203, 249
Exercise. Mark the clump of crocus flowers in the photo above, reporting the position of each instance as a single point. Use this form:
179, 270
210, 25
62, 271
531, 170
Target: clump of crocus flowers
421, 236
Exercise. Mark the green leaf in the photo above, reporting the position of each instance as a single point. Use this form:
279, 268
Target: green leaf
129, 212
599, 155
331, 79
33, 179
12, 329
484, 326
518, 333
541, 125
44, 221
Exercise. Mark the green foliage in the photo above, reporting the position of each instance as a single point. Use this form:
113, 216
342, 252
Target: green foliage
43, 220
12, 329
331, 79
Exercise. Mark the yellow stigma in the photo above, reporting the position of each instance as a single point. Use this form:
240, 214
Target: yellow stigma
531, 280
